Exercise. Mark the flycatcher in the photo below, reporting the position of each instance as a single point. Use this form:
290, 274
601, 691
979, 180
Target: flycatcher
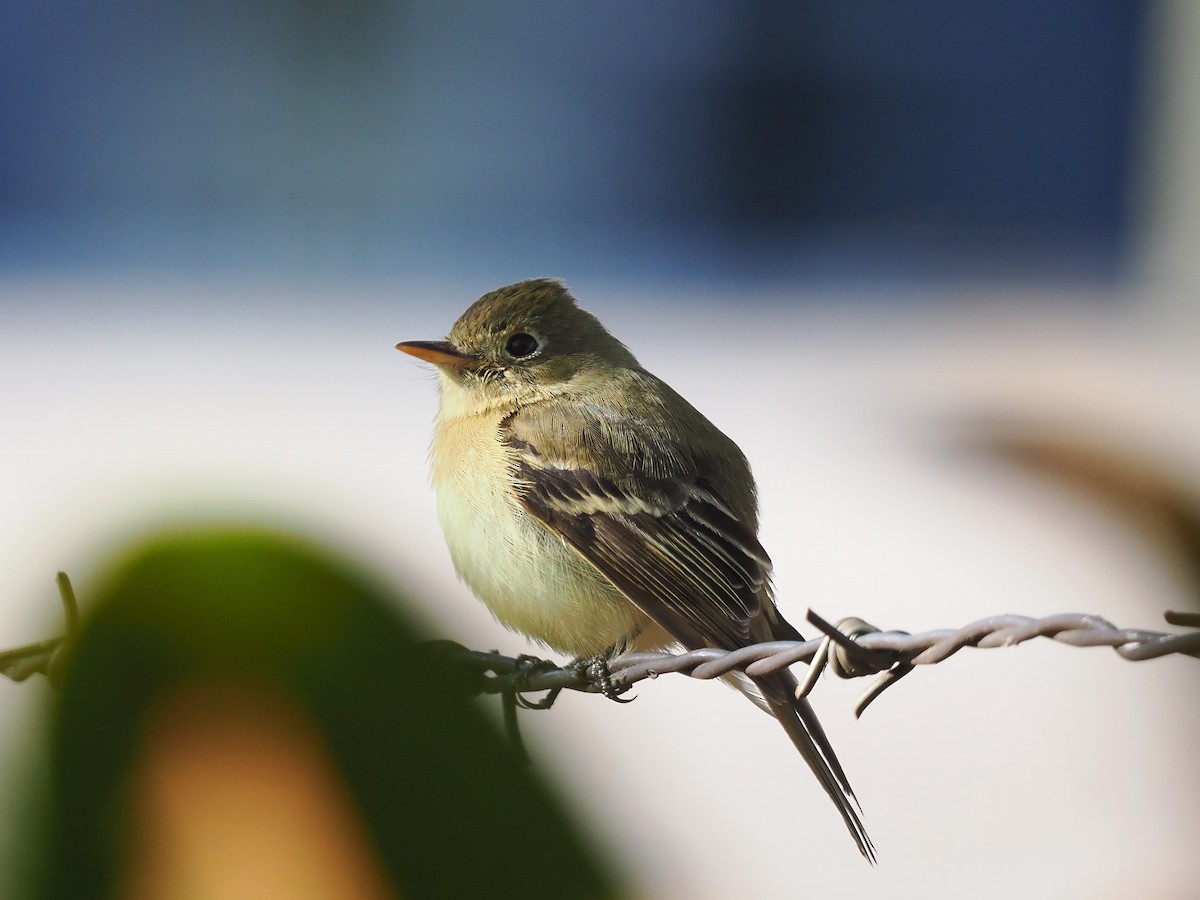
595, 510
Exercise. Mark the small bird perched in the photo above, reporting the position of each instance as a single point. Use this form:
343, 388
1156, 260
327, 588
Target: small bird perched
595, 510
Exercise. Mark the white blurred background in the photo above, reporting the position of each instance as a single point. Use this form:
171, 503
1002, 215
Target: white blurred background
934, 272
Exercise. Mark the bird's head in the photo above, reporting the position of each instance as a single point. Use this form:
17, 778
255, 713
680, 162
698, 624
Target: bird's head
522, 341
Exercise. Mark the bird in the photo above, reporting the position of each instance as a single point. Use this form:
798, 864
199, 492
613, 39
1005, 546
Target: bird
596, 511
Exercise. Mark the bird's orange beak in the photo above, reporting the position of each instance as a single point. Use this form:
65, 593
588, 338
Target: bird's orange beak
440, 353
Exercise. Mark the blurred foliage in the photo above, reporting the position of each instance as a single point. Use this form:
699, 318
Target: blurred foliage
448, 808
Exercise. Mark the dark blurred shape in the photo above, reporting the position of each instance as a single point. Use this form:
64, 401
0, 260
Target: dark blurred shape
1147, 495
930, 115
241, 708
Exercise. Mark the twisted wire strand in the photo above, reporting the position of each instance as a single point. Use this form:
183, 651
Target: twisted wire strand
855, 649
852, 648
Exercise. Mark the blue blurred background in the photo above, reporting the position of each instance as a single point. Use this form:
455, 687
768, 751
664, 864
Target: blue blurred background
827, 140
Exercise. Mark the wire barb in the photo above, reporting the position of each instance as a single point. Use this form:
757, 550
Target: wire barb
45, 657
1185, 619
849, 659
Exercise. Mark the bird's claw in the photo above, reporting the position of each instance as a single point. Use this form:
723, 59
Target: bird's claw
595, 670
525, 667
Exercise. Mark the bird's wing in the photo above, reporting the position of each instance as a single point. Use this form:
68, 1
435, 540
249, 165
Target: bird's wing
674, 547
670, 544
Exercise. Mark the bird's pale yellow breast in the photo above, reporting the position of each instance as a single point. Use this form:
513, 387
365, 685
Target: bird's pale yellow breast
529, 578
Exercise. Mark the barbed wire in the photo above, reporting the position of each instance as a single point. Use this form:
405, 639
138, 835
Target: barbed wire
852, 648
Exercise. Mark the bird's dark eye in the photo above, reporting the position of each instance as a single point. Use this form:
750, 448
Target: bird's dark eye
521, 345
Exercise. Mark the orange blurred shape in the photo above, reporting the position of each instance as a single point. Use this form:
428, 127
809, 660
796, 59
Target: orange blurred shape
234, 796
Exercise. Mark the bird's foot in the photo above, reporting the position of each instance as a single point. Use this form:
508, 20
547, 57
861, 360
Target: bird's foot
526, 667
595, 669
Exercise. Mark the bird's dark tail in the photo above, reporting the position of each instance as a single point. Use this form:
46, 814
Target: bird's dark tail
802, 726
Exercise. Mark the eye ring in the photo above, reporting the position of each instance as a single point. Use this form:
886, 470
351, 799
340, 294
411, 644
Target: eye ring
521, 345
